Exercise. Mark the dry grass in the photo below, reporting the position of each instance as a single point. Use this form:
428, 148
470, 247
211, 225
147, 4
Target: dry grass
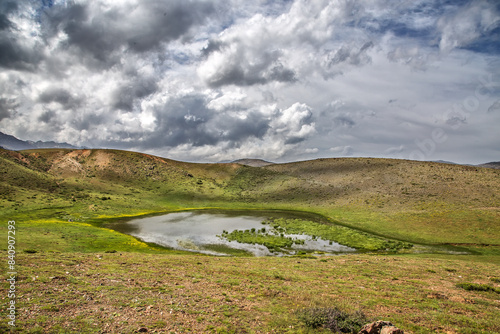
122, 292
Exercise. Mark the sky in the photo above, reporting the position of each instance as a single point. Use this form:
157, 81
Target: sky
285, 80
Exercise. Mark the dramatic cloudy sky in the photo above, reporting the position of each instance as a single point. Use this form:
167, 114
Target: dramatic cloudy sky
281, 80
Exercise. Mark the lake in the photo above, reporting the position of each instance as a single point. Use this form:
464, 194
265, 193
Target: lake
200, 231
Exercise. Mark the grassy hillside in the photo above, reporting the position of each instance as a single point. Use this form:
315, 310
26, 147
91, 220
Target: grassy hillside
70, 267
416, 201
419, 201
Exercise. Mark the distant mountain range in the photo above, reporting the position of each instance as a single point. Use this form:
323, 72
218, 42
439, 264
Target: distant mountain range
253, 162
494, 165
12, 143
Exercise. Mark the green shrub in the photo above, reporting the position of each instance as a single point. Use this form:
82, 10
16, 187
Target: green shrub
342, 322
477, 287
333, 319
313, 317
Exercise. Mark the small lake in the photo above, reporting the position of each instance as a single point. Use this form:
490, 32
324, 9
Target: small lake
200, 231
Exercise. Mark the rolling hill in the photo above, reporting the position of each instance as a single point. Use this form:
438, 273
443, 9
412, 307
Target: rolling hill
493, 164
416, 201
78, 277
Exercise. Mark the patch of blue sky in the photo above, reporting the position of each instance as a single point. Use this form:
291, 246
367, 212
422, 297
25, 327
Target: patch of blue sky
44, 5
488, 43
181, 58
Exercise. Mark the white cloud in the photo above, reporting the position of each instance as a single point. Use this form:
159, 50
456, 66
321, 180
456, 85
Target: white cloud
467, 24
311, 150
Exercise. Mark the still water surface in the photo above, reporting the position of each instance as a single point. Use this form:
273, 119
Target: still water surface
196, 230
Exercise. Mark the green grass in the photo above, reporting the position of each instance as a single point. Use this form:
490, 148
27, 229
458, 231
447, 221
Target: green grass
339, 234
276, 240
76, 276
62, 236
275, 243
123, 291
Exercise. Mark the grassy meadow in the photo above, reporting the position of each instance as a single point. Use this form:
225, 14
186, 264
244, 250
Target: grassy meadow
75, 276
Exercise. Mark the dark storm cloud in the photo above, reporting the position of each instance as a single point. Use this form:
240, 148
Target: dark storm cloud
181, 121
100, 32
213, 45
47, 116
281, 74
61, 96
13, 54
242, 70
4, 22
89, 121
94, 36
187, 120
6, 8
136, 89
236, 130
167, 23
294, 140
7, 107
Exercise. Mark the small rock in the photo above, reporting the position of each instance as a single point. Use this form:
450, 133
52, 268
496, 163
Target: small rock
436, 295
391, 330
374, 327
143, 330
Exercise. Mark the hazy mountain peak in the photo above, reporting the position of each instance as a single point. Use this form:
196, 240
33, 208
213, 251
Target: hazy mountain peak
253, 162
12, 143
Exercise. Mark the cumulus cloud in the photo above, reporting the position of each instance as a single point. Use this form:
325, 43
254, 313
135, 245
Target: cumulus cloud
188, 120
334, 62
61, 96
133, 90
17, 51
293, 124
100, 29
467, 24
196, 124
267, 49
